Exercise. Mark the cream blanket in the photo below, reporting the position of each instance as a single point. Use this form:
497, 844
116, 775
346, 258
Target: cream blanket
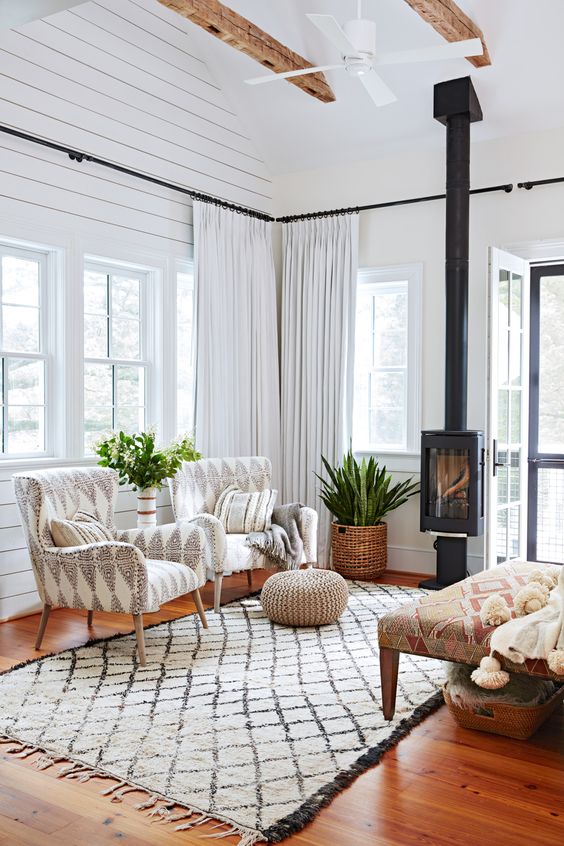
537, 635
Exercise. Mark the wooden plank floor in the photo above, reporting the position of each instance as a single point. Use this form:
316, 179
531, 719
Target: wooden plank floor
441, 786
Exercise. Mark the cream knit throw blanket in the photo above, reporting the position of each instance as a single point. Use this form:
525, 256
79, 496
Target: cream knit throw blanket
537, 635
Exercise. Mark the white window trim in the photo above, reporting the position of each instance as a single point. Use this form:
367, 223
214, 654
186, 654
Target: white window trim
149, 278
67, 254
187, 267
50, 261
408, 459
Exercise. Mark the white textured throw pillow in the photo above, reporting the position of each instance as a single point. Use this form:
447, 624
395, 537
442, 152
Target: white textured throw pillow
241, 513
81, 530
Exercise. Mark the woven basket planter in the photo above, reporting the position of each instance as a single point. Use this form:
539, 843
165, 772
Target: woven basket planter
508, 720
359, 552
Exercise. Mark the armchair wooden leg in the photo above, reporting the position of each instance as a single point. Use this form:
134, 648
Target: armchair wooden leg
198, 600
250, 578
42, 625
389, 661
140, 635
90, 618
217, 593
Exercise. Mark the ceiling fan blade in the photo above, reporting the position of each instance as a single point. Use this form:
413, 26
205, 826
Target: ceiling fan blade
332, 30
454, 50
377, 89
272, 77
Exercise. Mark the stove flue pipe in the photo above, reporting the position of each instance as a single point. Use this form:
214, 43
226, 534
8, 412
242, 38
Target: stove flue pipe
456, 106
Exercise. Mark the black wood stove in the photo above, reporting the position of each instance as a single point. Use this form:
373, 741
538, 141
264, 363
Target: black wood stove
452, 459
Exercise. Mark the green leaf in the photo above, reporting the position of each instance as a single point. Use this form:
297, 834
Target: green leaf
137, 461
362, 494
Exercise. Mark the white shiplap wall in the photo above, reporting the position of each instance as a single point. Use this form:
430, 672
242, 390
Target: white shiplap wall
118, 79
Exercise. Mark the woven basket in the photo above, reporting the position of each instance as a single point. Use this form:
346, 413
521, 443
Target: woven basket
508, 720
359, 552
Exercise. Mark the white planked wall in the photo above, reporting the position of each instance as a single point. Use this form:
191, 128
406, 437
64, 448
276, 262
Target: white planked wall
115, 80
118, 79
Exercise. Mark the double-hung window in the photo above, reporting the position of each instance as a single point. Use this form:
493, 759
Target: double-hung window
75, 365
184, 350
116, 362
23, 352
387, 360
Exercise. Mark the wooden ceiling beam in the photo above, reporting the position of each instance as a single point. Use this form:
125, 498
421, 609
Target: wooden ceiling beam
245, 36
449, 20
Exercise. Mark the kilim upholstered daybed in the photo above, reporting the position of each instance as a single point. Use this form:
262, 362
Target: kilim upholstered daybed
446, 625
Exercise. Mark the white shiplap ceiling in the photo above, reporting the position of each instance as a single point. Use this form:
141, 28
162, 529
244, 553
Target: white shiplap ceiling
15, 12
522, 91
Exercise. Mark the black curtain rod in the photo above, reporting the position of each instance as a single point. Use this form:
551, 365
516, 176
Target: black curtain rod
78, 156
355, 209
528, 185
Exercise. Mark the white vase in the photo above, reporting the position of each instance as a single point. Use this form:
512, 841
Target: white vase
146, 508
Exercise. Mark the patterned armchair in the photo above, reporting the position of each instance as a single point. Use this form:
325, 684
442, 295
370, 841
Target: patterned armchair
194, 492
111, 575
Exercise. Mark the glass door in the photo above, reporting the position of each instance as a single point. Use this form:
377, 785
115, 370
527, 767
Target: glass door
545, 530
506, 524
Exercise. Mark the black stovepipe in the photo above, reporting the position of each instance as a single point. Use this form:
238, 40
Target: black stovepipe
456, 270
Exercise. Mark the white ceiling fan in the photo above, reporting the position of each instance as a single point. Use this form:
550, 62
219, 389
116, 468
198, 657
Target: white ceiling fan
356, 42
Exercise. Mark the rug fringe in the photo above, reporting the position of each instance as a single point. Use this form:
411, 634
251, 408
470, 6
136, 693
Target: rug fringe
159, 808
142, 806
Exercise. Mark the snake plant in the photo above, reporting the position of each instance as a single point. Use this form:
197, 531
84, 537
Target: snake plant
362, 494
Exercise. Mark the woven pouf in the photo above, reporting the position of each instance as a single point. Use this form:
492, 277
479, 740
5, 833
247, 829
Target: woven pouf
304, 597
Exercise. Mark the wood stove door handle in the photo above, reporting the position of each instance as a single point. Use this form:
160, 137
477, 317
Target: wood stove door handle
495, 462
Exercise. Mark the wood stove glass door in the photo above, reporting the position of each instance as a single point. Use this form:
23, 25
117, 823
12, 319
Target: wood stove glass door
508, 314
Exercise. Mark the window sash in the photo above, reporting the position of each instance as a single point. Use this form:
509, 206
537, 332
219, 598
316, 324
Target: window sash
40, 257
182, 421
390, 280
143, 363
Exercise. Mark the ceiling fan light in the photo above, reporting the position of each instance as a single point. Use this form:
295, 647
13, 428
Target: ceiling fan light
357, 66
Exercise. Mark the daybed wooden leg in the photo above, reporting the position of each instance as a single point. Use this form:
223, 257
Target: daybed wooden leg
90, 618
198, 600
389, 661
217, 593
140, 635
42, 625
250, 578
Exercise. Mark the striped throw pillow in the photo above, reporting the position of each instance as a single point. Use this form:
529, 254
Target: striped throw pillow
241, 513
81, 530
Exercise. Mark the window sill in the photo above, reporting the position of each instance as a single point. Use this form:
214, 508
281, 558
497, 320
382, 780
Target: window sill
394, 460
20, 465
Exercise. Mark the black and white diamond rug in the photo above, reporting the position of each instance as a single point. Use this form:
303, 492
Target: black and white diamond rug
250, 723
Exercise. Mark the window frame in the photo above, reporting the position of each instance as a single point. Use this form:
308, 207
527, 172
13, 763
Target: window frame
186, 267
146, 361
45, 258
388, 277
66, 252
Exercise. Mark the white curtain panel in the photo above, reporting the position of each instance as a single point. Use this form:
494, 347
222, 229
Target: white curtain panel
318, 315
237, 396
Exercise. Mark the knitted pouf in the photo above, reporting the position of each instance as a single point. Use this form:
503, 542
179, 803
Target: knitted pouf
304, 597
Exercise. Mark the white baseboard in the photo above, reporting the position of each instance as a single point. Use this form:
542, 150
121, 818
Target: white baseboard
14, 607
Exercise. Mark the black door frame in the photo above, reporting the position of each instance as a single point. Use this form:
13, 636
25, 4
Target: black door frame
536, 460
